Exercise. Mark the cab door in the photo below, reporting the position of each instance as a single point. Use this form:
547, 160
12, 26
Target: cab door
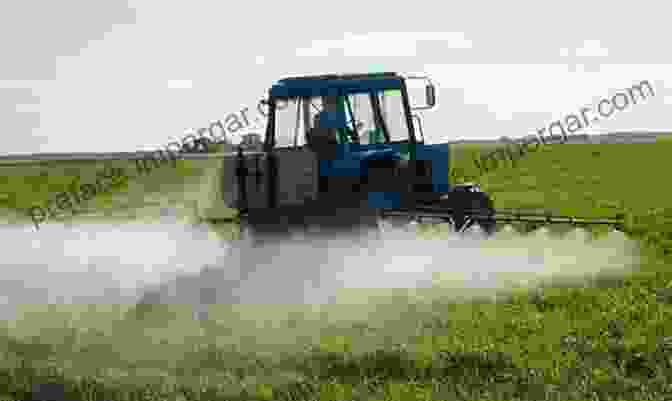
296, 164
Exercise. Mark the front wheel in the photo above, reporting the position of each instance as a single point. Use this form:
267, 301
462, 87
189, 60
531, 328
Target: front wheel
478, 202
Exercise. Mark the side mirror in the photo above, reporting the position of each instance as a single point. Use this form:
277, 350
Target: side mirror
430, 94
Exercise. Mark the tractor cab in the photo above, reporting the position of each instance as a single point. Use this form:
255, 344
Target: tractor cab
323, 111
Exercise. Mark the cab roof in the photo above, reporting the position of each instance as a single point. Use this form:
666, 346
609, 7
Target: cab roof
333, 84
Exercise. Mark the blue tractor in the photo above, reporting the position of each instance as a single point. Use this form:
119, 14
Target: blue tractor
345, 152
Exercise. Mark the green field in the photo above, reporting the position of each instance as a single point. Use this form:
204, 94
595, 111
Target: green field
25, 186
603, 339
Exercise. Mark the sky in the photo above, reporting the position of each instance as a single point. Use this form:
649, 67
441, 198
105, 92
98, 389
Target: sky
115, 76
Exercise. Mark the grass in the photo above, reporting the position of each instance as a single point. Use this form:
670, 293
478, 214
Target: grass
24, 186
609, 339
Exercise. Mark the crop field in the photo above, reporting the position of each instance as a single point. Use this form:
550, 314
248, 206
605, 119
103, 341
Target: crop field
603, 337
22, 186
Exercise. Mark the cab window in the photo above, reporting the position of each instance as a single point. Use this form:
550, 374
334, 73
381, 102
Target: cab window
393, 114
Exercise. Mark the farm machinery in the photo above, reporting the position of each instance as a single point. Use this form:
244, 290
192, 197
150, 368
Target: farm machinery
343, 153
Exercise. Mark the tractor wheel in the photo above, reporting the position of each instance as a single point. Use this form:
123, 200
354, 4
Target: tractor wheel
460, 201
483, 201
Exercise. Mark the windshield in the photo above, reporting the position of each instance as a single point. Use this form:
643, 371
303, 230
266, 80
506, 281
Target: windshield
364, 118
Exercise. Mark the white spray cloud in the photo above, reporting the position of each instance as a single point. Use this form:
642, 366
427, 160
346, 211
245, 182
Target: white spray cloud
343, 279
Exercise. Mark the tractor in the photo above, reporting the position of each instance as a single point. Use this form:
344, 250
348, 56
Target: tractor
343, 153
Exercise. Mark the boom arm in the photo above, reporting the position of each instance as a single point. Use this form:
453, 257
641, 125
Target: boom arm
507, 216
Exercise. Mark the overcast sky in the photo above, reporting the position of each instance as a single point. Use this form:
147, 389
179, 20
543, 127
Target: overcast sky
116, 75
